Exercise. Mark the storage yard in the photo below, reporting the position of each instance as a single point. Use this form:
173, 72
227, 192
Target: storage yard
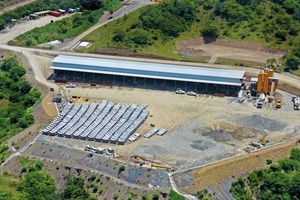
193, 136
106, 122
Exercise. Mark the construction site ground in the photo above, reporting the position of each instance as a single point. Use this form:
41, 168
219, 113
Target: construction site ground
200, 129
212, 49
215, 175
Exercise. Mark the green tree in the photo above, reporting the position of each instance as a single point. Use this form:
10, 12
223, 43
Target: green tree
210, 31
75, 189
38, 186
292, 62
295, 154
119, 35
139, 37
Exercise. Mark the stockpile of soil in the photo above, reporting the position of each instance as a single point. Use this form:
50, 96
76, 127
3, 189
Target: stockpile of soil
227, 131
218, 135
261, 123
202, 144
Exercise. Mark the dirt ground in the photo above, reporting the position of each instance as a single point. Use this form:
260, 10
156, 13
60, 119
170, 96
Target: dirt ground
106, 183
214, 174
228, 49
11, 33
199, 137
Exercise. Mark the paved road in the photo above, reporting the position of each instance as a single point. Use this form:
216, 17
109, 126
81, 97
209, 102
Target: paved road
134, 5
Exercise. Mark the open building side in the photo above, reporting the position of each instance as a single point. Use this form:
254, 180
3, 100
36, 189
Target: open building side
147, 75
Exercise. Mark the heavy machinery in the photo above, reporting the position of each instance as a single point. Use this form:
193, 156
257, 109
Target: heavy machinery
278, 103
296, 102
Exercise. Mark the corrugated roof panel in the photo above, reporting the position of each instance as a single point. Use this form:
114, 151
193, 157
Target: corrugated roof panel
148, 70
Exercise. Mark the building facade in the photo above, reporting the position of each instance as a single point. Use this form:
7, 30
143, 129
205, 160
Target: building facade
147, 75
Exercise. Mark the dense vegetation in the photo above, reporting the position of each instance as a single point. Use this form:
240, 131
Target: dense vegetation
16, 100
75, 189
279, 181
292, 59
154, 29
35, 184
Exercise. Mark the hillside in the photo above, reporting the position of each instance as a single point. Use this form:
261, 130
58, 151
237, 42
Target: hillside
17, 98
279, 181
155, 29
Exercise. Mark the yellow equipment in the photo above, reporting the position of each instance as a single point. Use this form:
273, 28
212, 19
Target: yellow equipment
278, 103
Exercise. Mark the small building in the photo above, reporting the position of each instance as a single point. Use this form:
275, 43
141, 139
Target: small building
42, 13
54, 13
33, 16
84, 44
13, 21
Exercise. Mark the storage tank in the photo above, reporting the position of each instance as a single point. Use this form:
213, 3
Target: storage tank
260, 82
271, 72
266, 83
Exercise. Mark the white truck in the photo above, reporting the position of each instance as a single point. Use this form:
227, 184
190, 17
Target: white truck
296, 101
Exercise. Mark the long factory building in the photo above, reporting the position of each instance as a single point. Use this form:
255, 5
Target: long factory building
147, 75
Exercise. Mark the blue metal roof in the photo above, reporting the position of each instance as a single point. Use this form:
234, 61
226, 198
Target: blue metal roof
148, 70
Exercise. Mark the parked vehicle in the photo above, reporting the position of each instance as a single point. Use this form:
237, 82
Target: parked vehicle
191, 93
70, 85
180, 91
134, 137
259, 105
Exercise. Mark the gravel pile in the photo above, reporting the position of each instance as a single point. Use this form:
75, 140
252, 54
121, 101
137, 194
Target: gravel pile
218, 135
134, 173
261, 123
202, 144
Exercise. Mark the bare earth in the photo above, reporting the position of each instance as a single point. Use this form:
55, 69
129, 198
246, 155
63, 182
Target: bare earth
200, 130
15, 31
232, 50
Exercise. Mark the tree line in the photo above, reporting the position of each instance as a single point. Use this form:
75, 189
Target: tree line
278, 181
16, 98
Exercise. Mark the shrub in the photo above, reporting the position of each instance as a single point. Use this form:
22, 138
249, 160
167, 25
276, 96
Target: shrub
95, 188
121, 168
155, 196
39, 165
91, 178
269, 161
116, 196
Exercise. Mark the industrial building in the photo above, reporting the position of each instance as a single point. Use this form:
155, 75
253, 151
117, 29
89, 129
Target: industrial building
147, 75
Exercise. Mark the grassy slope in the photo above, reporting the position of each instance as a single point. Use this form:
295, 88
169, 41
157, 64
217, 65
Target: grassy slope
8, 189
167, 49
102, 37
